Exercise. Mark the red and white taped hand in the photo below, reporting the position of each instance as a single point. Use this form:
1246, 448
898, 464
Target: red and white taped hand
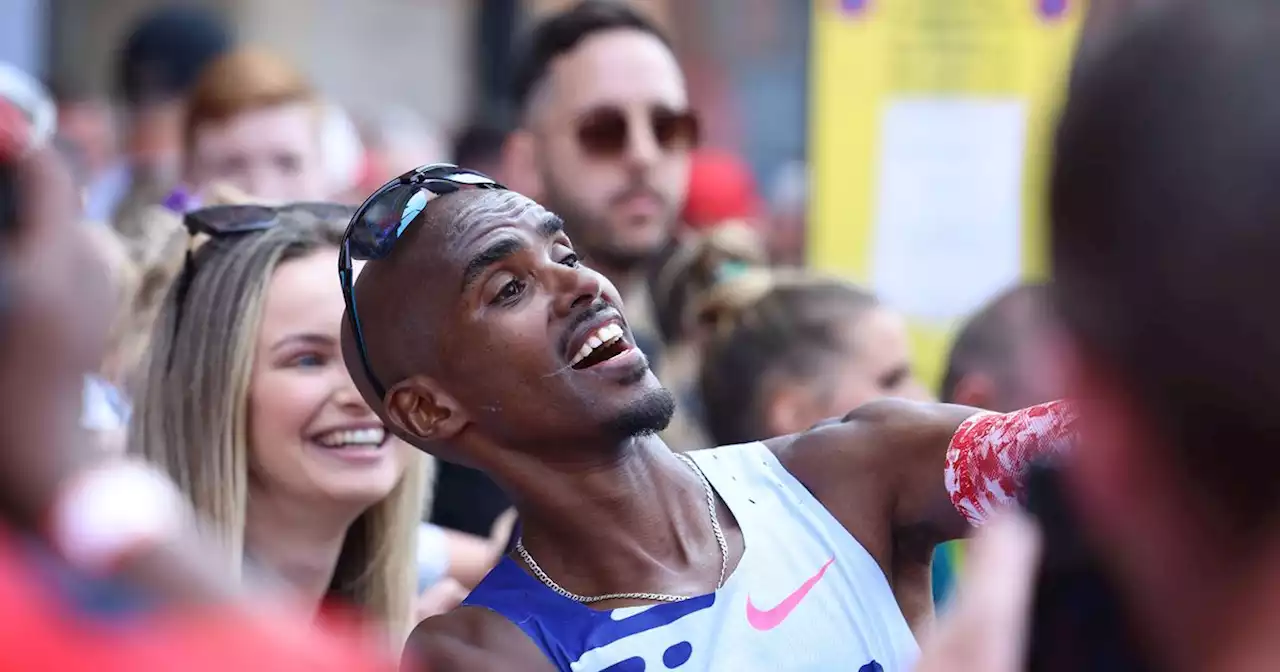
990, 453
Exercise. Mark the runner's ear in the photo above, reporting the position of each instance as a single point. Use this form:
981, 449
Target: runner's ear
421, 410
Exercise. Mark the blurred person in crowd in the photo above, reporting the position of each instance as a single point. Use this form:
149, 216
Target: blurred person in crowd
156, 68
788, 213
86, 583
1000, 359
1000, 362
87, 128
248, 407
684, 276
396, 140
1164, 243
479, 147
604, 140
788, 349
516, 359
255, 122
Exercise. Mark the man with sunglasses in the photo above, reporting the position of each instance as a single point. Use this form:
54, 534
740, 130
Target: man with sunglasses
604, 139
478, 335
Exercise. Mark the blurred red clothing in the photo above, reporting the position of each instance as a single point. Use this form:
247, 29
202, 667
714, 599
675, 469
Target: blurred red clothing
42, 630
721, 188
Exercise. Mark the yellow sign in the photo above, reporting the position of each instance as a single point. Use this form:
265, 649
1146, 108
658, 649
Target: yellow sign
929, 132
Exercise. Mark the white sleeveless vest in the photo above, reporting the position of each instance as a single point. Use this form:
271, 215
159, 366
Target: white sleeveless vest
805, 596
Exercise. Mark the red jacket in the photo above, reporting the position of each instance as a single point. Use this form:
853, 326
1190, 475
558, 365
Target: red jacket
41, 629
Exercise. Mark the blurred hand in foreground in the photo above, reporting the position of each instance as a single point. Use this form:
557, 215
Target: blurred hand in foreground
986, 627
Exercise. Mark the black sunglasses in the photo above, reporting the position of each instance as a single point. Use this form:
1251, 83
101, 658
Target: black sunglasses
605, 132
221, 222
382, 219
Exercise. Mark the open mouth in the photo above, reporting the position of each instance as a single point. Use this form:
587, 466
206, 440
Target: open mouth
367, 437
601, 345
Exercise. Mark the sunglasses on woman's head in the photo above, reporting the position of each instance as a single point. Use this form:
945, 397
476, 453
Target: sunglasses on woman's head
605, 132
226, 221
382, 219
220, 221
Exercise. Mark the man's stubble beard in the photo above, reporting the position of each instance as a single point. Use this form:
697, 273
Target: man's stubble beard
649, 415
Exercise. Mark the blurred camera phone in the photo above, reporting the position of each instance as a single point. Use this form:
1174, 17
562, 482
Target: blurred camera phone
1078, 622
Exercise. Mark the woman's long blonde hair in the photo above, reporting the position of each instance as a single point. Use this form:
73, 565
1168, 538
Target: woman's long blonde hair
192, 414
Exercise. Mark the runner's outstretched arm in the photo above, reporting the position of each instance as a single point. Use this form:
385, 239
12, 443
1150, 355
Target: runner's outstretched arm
929, 472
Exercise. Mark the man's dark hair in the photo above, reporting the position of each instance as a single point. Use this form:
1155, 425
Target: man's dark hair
1165, 233
986, 341
480, 144
560, 33
166, 51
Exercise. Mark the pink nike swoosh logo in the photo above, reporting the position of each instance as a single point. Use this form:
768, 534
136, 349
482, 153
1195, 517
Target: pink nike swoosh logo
768, 619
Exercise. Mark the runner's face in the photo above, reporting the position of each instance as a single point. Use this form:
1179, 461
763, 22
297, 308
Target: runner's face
533, 343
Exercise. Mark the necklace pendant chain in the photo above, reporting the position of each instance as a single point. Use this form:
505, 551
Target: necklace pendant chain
650, 597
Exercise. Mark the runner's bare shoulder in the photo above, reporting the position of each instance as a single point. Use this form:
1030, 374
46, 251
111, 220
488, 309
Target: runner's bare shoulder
473, 639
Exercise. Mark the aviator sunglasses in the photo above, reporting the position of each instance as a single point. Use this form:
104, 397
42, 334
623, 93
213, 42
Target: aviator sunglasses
382, 219
605, 132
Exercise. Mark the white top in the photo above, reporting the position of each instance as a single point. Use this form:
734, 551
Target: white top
805, 596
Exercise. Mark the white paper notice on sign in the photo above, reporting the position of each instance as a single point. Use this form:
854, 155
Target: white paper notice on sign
949, 204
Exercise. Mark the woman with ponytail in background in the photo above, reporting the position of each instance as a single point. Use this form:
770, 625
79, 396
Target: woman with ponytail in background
787, 349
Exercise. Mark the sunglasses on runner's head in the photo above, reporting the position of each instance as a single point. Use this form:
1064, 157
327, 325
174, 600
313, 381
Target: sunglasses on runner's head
382, 219
605, 132
225, 221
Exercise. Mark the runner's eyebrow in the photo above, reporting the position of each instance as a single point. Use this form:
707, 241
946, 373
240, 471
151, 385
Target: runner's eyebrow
493, 254
549, 226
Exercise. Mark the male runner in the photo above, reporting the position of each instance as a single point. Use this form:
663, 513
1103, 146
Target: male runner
485, 341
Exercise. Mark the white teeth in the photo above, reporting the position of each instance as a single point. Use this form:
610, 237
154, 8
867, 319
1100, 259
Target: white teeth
372, 436
606, 334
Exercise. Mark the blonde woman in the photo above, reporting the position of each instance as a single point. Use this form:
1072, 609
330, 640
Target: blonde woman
249, 408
